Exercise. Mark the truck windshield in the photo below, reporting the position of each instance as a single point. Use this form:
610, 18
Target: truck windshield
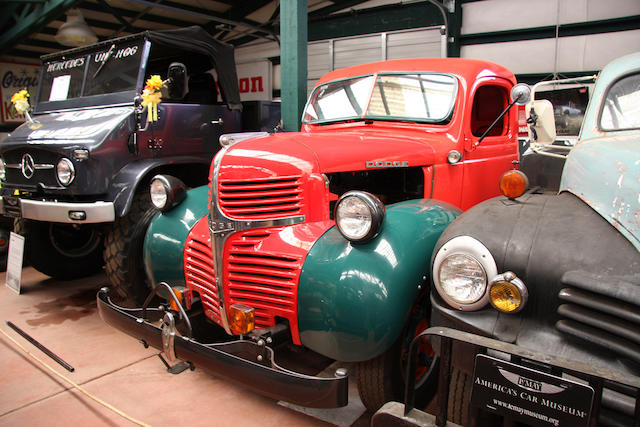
420, 97
111, 69
621, 106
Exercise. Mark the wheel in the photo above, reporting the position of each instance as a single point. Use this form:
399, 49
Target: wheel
123, 252
382, 378
459, 397
62, 251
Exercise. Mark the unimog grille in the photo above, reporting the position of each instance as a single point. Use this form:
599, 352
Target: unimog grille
264, 198
601, 310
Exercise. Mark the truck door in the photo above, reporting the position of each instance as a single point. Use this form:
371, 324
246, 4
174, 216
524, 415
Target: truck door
485, 161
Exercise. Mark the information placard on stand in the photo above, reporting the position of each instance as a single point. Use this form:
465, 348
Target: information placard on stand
14, 262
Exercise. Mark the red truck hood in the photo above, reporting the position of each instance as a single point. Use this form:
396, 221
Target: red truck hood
328, 152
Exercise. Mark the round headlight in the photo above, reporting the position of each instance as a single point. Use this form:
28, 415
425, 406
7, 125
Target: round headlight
3, 172
159, 193
66, 172
166, 192
359, 216
461, 269
462, 278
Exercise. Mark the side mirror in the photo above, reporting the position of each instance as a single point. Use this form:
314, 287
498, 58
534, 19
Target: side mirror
542, 125
176, 80
520, 94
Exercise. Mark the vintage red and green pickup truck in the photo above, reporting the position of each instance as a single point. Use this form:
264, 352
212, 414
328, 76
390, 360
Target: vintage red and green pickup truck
319, 241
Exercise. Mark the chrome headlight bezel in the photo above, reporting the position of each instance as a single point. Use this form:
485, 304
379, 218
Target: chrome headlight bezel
354, 206
475, 252
166, 192
65, 171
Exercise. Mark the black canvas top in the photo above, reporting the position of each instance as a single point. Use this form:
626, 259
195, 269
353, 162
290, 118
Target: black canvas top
191, 39
196, 39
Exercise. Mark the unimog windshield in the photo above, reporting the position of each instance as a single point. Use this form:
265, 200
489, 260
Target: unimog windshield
114, 69
419, 97
113, 72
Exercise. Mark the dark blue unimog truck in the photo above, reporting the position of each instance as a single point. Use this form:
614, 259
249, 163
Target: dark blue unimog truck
75, 176
535, 302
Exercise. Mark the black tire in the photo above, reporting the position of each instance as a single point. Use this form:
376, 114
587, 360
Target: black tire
123, 252
62, 251
459, 397
382, 378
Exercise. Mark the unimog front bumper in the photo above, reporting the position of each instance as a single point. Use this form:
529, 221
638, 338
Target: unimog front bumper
250, 364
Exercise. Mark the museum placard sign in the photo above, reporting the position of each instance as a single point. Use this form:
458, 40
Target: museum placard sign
530, 396
14, 77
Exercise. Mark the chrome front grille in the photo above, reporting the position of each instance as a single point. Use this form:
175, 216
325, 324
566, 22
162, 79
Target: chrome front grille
601, 310
264, 198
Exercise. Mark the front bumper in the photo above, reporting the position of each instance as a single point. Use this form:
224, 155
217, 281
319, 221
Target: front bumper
75, 213
235, 361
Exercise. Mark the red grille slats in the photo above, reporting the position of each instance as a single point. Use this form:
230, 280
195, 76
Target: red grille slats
264, 288
265, 197
244, 258
245, 194
272, 305
261, 275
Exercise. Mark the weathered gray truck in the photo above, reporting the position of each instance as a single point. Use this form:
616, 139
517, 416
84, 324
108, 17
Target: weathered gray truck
535, 298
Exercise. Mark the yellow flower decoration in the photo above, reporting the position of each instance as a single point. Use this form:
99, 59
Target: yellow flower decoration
151, 96
20, 101
21, 95
154, 83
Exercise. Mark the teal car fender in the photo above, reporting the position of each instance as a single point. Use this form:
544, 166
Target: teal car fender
166, 236
354, 299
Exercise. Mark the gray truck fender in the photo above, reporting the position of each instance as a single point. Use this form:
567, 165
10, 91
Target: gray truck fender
130, 178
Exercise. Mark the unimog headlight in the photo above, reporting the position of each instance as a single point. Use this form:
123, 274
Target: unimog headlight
66, 171
166, 192
461, 269
359, 216
3, 172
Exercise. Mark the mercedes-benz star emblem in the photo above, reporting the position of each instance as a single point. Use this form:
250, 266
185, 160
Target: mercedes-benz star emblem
28, 166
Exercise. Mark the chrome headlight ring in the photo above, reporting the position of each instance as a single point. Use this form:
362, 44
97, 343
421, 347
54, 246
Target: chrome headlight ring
461, 272
359, 216
65, 171
166, 192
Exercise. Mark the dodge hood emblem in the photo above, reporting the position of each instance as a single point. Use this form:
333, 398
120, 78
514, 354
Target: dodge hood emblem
28, 166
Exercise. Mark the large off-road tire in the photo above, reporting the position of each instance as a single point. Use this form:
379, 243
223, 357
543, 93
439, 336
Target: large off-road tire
62, 251
382, 378
459, 397
123, 255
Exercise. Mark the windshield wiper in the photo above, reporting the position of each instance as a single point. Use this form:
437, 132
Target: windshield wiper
104, 60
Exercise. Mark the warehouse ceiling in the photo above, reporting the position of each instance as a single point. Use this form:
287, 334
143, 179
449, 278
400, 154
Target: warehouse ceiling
29, 26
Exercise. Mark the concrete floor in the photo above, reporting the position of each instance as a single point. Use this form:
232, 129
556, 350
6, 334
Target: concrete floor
117, 369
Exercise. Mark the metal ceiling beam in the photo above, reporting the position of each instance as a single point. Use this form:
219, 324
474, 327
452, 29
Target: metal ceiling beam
42, 14
201, 15
242, 9
134, 16
336, 6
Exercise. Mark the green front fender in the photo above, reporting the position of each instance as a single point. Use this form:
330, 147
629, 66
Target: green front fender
166, 236
353, 300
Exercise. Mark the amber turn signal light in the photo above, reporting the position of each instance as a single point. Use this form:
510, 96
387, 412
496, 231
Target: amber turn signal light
241, 319
180, 296
513, 184
507, 293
